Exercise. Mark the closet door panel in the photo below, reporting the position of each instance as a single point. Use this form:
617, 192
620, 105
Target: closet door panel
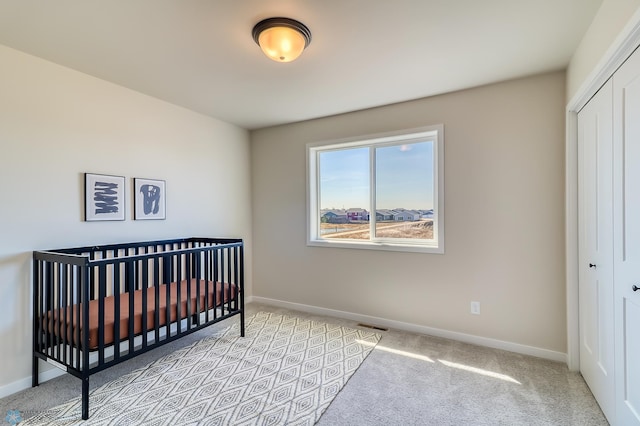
630, 400
627, 239
596, 288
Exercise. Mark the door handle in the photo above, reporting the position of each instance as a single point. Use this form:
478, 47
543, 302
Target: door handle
635, 288
592, 265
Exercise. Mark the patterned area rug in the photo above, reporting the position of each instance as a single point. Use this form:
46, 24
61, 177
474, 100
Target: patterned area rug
286, 371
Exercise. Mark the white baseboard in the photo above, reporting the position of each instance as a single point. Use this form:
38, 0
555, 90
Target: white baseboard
25, 383
415, 328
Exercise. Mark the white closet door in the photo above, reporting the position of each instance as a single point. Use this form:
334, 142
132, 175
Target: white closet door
596, 288
626, 83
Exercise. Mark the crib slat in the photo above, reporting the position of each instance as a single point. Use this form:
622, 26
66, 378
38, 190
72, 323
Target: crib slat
102, 293
131, 274
166, 263
195, 275
201, 306
240, 289
86, 370
78, 318
56, 313
234, 278
65, 303
145, 287
178, 279
92, 294
223, 276
229, 278
216, 278
116, 310
156, 298
188, 275
207, 276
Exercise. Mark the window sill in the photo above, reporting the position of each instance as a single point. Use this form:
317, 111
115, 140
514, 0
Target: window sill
385, 246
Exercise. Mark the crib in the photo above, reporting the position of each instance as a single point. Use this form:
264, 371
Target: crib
95, 307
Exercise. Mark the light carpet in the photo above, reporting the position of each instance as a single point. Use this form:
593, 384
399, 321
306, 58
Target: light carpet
287, 370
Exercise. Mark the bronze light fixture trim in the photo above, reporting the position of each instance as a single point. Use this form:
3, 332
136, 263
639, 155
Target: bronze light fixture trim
281, 39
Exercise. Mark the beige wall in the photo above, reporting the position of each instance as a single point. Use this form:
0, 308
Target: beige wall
611, 18
56, 124
504, 196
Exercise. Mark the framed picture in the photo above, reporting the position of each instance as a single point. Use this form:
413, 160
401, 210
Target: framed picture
150, 199
103, 197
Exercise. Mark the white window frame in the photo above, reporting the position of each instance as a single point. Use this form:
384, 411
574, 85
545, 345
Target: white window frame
434, 133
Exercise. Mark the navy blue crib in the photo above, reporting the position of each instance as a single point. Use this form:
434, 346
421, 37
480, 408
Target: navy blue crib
95, 307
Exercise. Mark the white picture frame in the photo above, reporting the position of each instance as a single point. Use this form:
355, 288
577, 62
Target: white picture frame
150, 199
104, 197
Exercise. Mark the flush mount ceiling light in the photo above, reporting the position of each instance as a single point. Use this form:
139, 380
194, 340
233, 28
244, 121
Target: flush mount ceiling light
281, 39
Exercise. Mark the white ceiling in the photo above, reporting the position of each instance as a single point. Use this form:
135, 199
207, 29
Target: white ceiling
364, 53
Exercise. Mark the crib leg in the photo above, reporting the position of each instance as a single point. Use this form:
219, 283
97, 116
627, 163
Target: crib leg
85, 398
34, 372
242, 324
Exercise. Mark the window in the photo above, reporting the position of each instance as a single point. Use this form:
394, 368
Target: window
379, 192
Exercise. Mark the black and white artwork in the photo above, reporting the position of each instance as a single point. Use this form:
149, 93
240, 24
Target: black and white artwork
104, 197
150, 199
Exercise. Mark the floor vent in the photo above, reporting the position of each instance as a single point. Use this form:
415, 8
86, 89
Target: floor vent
373, 327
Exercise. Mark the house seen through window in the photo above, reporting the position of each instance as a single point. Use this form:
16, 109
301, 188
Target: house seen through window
380, 192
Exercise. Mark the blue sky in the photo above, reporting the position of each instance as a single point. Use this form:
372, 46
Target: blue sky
404, 177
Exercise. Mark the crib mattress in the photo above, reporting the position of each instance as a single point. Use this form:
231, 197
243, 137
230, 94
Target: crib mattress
217, 293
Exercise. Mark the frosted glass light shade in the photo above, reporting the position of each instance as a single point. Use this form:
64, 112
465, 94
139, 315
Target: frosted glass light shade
281, 44
281, 39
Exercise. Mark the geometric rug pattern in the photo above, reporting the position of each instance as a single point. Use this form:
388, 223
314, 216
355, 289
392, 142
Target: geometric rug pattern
286, 371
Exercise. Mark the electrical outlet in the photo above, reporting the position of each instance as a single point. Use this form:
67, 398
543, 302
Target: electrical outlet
475, 308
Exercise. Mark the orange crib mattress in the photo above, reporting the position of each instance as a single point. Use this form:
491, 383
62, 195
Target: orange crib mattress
223, 292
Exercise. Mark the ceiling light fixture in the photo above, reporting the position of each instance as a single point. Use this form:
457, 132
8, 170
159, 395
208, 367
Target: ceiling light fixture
281, 39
